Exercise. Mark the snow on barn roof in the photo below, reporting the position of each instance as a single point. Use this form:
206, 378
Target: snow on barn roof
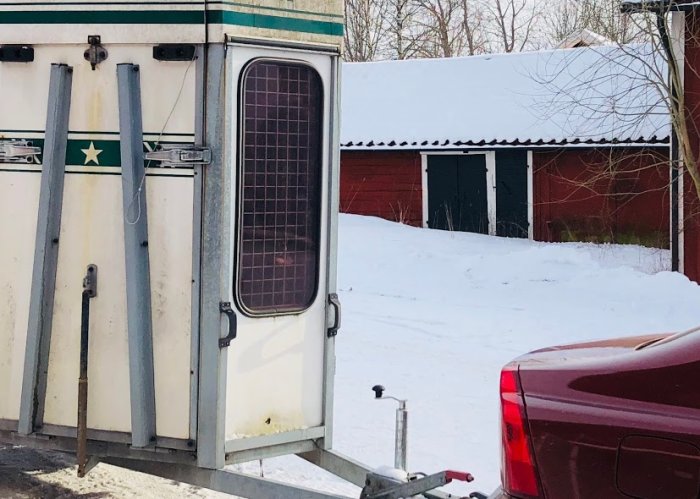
637, 5
583, 38
591, 95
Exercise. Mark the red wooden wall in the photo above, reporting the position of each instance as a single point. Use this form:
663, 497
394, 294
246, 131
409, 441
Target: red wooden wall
616, 195
691, 224
574, 195
385, 184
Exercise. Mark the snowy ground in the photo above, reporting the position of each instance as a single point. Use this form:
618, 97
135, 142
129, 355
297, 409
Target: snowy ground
433, 316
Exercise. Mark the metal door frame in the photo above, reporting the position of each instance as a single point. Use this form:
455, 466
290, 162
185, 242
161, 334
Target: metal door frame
213, 192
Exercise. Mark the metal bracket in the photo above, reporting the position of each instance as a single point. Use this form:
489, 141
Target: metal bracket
225, 308
90, 281
96, 53
179, 155
16, 53
173, 52
18, 151
92, 461
334, 302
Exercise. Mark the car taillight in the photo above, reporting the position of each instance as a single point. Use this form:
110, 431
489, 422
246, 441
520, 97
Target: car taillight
518, 467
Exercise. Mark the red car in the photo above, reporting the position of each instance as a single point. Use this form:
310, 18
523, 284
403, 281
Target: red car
608, 419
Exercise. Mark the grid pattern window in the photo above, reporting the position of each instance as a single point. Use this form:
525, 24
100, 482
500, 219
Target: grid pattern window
280, 201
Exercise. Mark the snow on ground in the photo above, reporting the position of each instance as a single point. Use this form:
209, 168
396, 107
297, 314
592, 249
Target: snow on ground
433, 316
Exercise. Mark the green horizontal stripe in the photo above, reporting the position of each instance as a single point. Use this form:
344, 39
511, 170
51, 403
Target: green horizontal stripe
98, 132
274, 22
103, 17
173, 17
109, 152
277, 9
167, 3
148, 174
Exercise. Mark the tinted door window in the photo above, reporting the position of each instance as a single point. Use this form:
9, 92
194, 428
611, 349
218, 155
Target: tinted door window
280, 187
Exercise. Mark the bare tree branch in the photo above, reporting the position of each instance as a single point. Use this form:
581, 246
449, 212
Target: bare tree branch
364, 29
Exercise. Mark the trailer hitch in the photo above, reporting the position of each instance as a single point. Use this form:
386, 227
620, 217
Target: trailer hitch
382, 487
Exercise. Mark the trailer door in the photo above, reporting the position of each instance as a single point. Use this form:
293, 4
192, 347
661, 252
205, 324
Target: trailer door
280, 135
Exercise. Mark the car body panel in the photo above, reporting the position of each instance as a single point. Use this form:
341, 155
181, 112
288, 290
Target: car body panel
613, 418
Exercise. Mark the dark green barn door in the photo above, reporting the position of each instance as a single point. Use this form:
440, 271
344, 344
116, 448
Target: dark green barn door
511, 194
457, 193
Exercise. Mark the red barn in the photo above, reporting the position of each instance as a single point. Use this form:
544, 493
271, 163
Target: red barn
683, 47
541, 145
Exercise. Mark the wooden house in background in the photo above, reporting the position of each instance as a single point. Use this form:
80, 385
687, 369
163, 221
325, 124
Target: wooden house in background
553, 145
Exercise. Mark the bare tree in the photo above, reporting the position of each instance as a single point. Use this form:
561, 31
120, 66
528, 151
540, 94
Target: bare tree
604, 17
441, 24
473, 26
562, 20
364, 29
631, 85
403, 35
512, 23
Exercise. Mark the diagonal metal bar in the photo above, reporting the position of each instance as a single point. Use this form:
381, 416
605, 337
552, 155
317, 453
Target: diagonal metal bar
138, 283
229, 482
36, 357
339, 465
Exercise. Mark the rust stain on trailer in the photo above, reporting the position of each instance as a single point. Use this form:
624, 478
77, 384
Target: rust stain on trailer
273, 423
8, 315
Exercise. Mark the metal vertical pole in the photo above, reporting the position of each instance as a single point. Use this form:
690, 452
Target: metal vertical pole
214, 257
36, 357
199, 139
401, 446
675, 171
89, 292
332, 265
138, 284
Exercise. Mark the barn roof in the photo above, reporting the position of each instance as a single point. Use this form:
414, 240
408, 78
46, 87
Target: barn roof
639, 5
594, 95
583, 38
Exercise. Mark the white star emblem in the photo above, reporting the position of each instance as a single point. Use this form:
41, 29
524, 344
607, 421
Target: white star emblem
91, 154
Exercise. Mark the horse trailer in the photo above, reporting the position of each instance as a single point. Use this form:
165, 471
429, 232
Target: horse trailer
168, 211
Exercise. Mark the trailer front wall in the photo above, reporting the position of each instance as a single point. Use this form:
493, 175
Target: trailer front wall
92, 232
618, 195
19, 202
172, 21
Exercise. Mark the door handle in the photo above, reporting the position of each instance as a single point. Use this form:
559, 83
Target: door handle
334, 302
225, 308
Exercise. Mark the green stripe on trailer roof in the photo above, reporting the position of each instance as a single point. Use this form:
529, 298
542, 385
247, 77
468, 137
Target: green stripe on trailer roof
278, 9
103, 17
79, 3
274, 22
173, 17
